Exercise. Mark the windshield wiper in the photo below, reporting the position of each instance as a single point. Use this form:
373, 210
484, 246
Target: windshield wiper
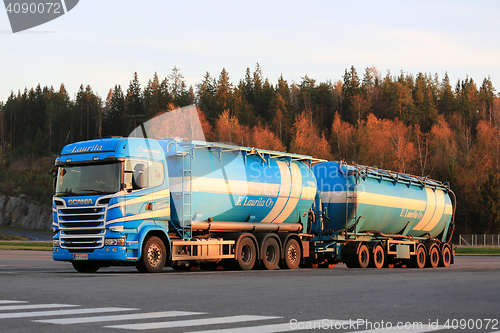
96, 191
66, 193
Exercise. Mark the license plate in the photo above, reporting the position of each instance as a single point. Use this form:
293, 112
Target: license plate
81, 256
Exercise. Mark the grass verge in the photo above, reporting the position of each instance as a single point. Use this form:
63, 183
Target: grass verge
8, 237
477, 251
16, 245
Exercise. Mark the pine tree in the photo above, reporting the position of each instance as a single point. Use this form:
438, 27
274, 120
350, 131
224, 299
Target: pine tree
490, 205
206, 91
134, 105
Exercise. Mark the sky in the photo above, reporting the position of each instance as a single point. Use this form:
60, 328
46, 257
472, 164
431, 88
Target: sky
102, 43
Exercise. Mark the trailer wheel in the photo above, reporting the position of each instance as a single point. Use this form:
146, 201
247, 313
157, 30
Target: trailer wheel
363, 256
154, 256
246, 253
434, 257
378, 259
85, 267
292, 255
445, 257
270, 253
420, 258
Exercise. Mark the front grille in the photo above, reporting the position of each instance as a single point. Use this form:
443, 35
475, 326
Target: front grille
83, 210
82, 228
85, 217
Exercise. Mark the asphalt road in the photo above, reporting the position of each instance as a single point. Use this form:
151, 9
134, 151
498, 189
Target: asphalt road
40, 295
32, 235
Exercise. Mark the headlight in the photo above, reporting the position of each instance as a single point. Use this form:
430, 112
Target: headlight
56, 243
114, 242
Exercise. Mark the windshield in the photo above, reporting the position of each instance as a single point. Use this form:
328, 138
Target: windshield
88, 179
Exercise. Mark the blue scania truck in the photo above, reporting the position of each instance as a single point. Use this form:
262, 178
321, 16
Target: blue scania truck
156, 203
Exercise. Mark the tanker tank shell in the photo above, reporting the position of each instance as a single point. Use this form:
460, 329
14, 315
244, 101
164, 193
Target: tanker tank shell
365, 199
229, 184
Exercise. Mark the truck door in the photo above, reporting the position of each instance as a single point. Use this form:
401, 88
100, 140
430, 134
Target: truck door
139, 195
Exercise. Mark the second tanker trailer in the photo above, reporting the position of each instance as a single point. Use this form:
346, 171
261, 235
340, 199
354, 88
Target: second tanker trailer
155, 203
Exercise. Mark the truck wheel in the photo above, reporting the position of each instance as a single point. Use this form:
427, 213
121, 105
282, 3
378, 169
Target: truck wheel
445, 257
434, 257
351, 261
85, 267
154, 256
270, 253
363, 256
420, 258
378, 259
292, 255
246, 253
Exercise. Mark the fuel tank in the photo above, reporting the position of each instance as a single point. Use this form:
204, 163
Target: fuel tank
369, 200
235, 184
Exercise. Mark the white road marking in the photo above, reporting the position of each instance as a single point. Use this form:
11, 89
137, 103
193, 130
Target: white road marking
132, 316
194, 322
290, 326
59, 312
4, 301
33, 306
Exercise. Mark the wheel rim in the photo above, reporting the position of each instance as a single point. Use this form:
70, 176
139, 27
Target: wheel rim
446, 256
154, 255
292, 253
434, 257
246, 253
270, 253
363, 256
421, 257
379, 257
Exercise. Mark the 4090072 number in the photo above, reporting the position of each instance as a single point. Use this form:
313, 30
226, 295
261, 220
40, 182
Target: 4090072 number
34, 8
471, 324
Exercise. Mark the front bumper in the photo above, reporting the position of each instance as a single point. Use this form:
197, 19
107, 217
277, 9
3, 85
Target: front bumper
107, 253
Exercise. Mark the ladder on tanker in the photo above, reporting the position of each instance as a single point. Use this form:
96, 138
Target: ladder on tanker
351, 201
187, 198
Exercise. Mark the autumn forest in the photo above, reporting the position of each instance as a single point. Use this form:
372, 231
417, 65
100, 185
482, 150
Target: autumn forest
420, 124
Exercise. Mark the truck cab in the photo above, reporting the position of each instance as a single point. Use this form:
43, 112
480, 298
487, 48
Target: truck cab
109, 195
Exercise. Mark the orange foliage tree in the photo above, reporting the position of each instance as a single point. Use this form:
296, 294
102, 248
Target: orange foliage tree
342, 139
264, 138
306, 139
385, 144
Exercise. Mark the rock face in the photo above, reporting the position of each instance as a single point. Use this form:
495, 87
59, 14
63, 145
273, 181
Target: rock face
20, 213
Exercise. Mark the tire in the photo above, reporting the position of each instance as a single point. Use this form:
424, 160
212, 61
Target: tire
270, 253
378, 257
420, 258
154, 256
445, 257
292, 255
85, 266
363, 257
434, 257
351, 261
246, 254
